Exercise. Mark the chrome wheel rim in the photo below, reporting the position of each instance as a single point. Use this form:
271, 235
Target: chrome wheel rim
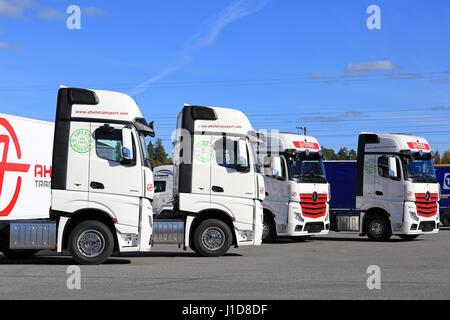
91, 243
213, 238
376, 228
265, 232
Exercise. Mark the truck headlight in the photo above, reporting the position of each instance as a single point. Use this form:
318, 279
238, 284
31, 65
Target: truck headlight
298, 216
413, 215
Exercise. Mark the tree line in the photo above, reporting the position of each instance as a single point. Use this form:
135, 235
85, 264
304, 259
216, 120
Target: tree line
159, 157
345, 154
157, 153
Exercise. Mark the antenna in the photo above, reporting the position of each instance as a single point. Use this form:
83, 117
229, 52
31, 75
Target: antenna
302, 128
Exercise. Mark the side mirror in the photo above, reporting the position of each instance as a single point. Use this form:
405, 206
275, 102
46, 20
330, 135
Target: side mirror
242, 156
127, 146
275, 165
392, 167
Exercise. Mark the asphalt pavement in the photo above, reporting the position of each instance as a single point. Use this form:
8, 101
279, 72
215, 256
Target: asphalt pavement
328, 267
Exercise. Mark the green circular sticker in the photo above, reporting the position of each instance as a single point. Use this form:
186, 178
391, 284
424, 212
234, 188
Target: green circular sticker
81, 141
203, 151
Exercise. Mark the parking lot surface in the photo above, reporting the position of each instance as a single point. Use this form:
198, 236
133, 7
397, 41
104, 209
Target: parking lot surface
329, 267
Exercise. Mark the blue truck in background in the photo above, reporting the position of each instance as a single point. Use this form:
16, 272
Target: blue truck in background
342, 178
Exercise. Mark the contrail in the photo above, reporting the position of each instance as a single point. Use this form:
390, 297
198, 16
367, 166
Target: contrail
208, 33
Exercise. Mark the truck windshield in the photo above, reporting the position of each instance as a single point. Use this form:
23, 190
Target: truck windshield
420, 170
145, 153
305, 170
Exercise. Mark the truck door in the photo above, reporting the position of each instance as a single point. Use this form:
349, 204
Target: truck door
277, 191
231, 186
389, 191
113, 184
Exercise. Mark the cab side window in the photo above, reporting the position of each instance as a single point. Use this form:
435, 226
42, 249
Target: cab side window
268, 169
160, 186
108, 145
383, 167
226, 152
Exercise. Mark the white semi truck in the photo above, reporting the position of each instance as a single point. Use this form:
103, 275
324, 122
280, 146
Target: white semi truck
391, 189
218, 189
297, 192
94, 160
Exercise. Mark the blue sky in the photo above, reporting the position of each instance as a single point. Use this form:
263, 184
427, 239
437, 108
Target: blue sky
285, 63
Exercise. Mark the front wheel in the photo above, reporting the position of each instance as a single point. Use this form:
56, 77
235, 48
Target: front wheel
445, 219
408, 237
378, 228
269, 233
91, 242
212, 238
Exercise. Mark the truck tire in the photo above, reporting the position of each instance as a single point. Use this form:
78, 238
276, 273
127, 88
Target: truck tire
269, 233
18, 254
212, 238
91, 242
445, 219
408, 237
378, 228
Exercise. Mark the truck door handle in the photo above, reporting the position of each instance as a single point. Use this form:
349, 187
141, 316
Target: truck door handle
97, 185
217, 189
378, 193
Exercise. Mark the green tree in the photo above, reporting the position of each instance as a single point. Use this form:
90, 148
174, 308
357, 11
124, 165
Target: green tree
157, 153
343, 154
446, 157
329, 154
352, 155
151, 150
437, 157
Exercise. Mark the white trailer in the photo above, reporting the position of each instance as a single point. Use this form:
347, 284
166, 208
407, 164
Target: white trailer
101, 185
297, 192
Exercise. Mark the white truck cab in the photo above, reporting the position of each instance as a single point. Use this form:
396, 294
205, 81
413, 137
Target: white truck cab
218, 189
297, 192
396, 189
163, 180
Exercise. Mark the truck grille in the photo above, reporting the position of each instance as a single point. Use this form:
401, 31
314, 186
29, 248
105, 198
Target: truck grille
313, 205
426, 206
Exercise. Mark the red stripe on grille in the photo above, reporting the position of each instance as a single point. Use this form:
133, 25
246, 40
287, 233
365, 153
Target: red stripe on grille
426, 208
311, 208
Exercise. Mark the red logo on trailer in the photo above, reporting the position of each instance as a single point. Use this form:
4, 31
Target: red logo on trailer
8, 166
418, 145
305, 145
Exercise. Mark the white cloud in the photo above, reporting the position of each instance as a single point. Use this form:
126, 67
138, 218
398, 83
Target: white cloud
18, 8
364, 68
93, 12
315, 75
323, 119
9, 46
209, 31
10, 9
405, 75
